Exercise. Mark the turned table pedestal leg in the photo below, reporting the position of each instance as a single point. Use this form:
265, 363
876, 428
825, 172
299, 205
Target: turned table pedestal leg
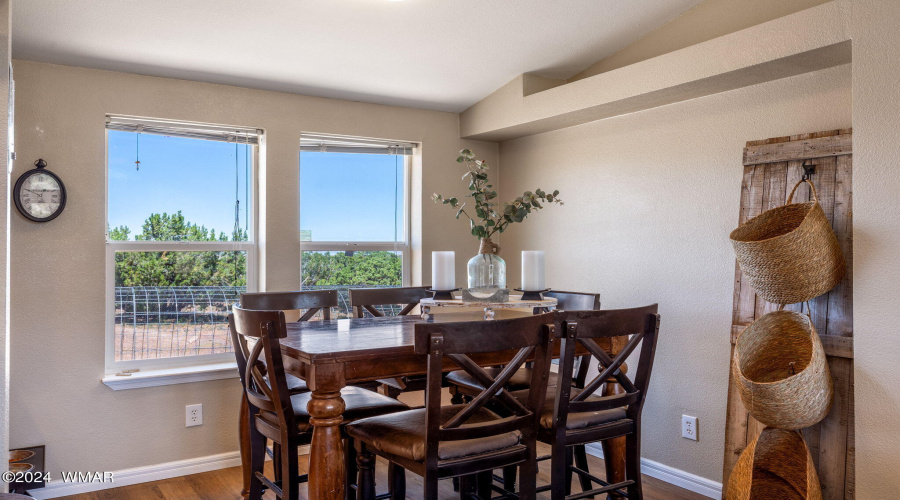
327, 471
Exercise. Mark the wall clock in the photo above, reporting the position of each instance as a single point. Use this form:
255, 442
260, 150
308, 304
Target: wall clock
39, 194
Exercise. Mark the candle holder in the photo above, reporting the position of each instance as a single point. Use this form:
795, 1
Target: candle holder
532, 294
443, 294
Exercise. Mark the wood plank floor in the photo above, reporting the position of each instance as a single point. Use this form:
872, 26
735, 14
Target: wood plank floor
225, 484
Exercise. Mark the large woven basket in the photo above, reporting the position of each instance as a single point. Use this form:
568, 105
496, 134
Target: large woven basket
789, 254
781, 370
774, 466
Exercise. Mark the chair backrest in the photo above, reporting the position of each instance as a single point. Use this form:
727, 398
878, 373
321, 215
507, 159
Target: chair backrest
531, 337
262, 371
311, 300
574, 301
365, 299
586, 328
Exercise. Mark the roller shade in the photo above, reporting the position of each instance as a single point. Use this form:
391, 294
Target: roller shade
222, 133
318, 143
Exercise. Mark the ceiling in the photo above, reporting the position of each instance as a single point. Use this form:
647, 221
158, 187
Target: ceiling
433, 54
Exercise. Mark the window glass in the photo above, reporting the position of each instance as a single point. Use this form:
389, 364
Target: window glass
207, 182
352, 197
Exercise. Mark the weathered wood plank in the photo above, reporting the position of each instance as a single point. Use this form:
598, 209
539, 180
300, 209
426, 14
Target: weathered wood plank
798, 150
774, 187
823, 180
736, 430
850, 476
833, 438
840, 299
754, 207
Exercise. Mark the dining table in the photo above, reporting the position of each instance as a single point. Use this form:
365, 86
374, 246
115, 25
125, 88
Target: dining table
331, 354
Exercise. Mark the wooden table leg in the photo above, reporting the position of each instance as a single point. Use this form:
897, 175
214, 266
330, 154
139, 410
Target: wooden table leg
244, 432
326, 456
614, 449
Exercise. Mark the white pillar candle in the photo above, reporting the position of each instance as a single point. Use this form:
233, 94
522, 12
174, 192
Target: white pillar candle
443, 270
532, 270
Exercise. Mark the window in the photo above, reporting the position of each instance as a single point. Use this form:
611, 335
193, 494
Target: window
181, 242
354, 213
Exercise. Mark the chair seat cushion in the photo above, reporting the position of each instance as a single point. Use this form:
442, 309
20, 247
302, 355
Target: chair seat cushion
412, 383
359, 403
575, 420
295, 384
520, 380
403, 434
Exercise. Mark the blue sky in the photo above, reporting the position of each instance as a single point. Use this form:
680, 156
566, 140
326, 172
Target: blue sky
344, 197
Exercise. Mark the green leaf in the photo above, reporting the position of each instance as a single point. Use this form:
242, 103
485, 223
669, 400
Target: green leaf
556, 193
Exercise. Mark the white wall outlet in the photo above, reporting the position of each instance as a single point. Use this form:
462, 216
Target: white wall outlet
193, 415
689, 427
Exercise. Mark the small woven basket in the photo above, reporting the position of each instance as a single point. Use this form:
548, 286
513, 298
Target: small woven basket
789, 254
775, 465
781, 370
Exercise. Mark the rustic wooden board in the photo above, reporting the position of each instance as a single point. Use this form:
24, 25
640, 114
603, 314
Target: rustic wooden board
771, 169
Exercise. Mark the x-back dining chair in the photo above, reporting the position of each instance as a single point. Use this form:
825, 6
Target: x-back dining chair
278, 414
462, 385
308, 302
576, 416
439, 442
366, 301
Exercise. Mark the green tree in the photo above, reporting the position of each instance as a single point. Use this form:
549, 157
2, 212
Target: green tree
206, 268
351, 268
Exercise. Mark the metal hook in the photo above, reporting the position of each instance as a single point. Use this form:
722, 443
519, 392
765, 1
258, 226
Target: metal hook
808, 170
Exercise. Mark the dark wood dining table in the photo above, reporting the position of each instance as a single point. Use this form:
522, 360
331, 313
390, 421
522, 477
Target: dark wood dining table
329, 356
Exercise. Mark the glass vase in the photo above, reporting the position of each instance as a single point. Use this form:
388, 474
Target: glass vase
487, 270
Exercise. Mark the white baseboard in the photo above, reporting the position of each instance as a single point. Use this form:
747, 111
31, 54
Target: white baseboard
671, 475
58, 488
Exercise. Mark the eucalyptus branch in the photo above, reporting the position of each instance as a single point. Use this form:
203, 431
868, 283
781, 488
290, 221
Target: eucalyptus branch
489, 220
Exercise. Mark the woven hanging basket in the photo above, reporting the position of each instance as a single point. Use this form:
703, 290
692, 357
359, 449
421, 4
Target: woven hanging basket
781, 370
789, 254
775, 465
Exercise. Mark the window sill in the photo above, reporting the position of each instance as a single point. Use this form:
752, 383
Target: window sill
171, 376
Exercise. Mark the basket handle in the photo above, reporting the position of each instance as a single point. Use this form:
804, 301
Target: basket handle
811, 187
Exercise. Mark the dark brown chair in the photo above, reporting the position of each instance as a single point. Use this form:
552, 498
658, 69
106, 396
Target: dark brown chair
366, 301
576, 417
439, 442
462, 385
311, 302
280, 415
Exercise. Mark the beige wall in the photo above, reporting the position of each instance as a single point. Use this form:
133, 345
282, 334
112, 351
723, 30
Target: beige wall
58, 267
876, 239
650, 200
708, 20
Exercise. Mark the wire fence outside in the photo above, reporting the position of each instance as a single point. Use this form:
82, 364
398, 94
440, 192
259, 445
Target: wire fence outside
166, 322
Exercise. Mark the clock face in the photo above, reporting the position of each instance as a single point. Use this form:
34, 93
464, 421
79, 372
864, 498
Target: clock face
40, 195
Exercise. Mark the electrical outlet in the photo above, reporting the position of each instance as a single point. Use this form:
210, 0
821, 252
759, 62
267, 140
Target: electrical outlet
689, 427
193, 415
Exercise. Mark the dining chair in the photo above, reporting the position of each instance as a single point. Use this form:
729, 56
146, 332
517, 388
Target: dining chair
308, 302
280, 415
575, 417
462, 385
466, 440
366, 301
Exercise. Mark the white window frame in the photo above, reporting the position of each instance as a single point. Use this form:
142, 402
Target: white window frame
363, 246
112, 247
